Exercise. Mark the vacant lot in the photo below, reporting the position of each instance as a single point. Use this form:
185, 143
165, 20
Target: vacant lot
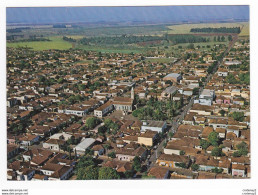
185, 28
55, 43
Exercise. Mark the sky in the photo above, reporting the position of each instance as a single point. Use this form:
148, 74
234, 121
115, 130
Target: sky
40, 15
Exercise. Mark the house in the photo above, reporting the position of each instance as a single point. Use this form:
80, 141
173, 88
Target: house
53, 144
128, 154
37, 156
25, 174
174, 77
179, 173
222, 72
29, 140
104, 109
158, 126
38, 177
147, 138
206, 163
238, 170
159, 173
81, 147
173, 160
12, 150
201, 109
56, 171
98, 150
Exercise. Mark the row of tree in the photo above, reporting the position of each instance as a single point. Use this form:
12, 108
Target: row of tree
217, 30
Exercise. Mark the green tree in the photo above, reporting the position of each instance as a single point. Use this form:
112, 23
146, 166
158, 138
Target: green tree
92, 122
222, 112
195, 167
238, 116
216, 170
108, 173
85, 161
204, 144
182, 152
88, 173
213, 138
216, 151
137, 164
112, 155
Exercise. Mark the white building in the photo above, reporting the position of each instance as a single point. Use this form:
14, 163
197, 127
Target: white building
158, 126
86, 143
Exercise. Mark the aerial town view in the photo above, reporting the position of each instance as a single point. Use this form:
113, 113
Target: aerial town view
99, 93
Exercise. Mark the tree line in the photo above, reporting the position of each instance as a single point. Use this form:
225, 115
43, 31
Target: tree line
217, 30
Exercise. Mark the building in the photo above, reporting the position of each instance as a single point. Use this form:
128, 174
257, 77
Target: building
174, 77
147, 138
158, 126
124, 103
81, 147
168, 92
104, 109
206, 97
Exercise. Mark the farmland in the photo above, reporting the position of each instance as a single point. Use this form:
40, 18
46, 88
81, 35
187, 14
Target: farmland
55, 43
185, 28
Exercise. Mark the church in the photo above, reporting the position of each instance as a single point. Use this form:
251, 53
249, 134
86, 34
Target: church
124, 103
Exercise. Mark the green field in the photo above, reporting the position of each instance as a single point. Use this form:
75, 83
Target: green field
55, 43
185, 28
246, 30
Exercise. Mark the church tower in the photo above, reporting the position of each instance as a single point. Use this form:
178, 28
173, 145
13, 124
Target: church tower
132, 93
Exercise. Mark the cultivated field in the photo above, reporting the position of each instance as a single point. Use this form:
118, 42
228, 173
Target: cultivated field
185, 28
55, 43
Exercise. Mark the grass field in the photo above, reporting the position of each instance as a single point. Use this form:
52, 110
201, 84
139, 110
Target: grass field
246, 30
185, 28
55, 43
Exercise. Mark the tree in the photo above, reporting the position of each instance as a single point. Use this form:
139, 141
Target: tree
216, 151
108, 173
170, 134
85, 161
195, 91
112, 155
216, 170
195, 167
204, 144
222, 112
92, 122
230, 38
137, 164
242, 149
182, 165
238, 116
182, 152
213, 138
88, 173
